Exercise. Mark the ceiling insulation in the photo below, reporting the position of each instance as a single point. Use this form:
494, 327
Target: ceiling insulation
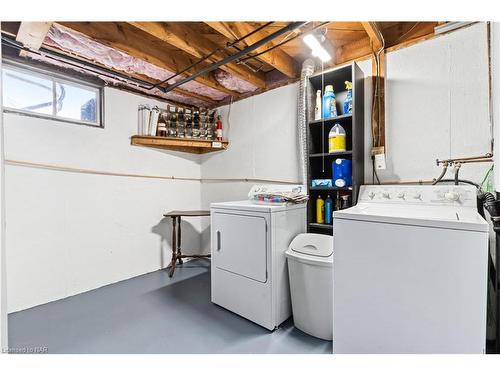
73, 42
171, 96
233, 83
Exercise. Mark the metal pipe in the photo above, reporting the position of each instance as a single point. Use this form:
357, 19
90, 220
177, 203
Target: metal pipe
243, 52
485, 156
445, 168
205, 57
476, 161
457, 170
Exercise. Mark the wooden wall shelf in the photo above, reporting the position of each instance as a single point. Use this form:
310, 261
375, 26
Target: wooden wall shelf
191, 145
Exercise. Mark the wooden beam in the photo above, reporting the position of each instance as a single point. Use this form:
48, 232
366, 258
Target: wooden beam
125, 38
353, 51
374, 34
396, 37
32, 34
408, 31
181, 36
223, 28
277, 58
378, 110
377, 44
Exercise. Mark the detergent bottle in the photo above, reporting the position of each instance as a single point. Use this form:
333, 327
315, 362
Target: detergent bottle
342, 172
348, 99
328, 210
320, 210
329, 103
336, 139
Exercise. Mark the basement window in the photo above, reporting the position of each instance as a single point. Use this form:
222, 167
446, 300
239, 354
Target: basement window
37, 93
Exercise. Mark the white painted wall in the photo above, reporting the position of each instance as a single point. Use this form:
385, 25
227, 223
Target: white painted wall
495, 46
436, 106
3, 274
71, 232
263, 145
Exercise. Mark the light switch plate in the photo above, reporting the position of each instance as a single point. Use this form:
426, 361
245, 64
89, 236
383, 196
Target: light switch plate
380, 161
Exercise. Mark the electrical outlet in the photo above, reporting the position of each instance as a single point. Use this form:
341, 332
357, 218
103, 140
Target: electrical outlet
380, 161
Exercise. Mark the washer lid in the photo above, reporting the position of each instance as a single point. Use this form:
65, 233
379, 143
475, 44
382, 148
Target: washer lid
314, 244
461, 218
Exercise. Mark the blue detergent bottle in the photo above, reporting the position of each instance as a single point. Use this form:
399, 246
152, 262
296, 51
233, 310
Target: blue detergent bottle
329, 103
342, 172
328, 210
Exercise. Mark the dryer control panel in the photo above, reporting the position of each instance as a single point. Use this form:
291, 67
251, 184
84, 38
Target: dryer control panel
448, 195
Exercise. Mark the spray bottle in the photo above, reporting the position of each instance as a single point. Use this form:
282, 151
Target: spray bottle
317, 108
348, 100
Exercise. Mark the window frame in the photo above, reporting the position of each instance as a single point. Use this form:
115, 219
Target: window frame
57, 78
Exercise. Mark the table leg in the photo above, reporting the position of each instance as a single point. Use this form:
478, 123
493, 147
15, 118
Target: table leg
174, 247
179, 241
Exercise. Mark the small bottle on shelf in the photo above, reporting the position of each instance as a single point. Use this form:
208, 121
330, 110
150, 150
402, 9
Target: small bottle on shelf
218, 129
348, 100
320, 210
338, 202
345, 201
181, 124
317, 108
172, 131
196, 124
189, 122
328, 209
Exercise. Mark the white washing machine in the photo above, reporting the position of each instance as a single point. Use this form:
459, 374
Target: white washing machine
249, 271
410, 271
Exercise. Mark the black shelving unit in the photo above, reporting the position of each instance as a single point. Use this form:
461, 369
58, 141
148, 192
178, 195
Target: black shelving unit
320, 161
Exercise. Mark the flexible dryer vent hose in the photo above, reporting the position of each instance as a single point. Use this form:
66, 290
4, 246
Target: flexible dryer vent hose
302, 115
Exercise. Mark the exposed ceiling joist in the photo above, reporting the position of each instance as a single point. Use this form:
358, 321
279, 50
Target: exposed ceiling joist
374, 34
128, 39
352, 51
277, 58
408, 31
32, 34
182, 36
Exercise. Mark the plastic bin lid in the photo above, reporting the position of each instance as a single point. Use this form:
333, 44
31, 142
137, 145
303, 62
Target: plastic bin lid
319, 245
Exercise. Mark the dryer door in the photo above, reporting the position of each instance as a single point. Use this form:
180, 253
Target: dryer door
239, 244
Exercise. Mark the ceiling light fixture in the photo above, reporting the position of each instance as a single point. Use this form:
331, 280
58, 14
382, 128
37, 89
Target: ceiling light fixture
317, 49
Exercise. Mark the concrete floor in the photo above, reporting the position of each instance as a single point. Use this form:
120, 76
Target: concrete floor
152, 314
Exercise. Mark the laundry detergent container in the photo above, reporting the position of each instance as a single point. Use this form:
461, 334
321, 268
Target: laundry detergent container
310, 269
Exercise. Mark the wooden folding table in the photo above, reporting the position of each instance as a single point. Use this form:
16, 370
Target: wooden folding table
176, 237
